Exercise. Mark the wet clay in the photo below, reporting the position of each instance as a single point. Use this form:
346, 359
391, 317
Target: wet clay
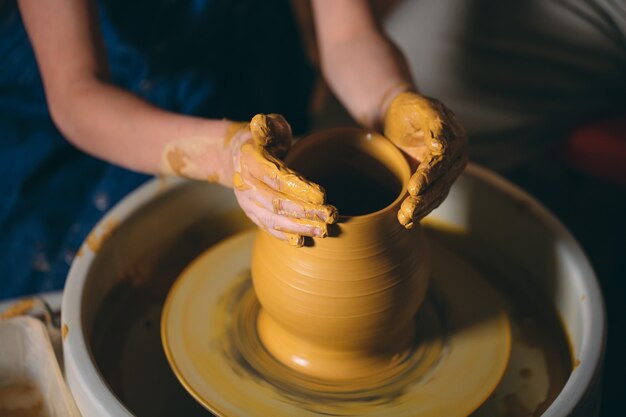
126, 341
18, 309
341, 308
265, 185
257, 158
436, 143
128, 351
411, 114
99, 236
206, 158
274, 172
213, 345
21, 400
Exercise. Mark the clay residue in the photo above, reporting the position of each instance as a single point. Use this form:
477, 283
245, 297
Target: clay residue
100, 235
239, 183
214, 178
271, 136
21, 400
124, 348
64, 331
271, 132
279, 199
199, 158
177, 160
411, 116
436, 144
18, 309
295, 239
274, 173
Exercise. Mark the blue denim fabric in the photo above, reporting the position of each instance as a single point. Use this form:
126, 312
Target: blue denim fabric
200, 57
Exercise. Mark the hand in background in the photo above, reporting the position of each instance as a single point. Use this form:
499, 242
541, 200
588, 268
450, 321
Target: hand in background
364, 68
436, 145
274, 197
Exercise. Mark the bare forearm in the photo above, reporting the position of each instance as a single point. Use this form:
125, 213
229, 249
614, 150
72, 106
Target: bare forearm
106, 121
361, 65
366, 84
119, 127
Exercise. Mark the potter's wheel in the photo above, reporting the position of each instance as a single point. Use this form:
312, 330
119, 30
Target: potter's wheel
209, 335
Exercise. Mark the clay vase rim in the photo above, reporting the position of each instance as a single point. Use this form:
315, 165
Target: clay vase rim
363, 134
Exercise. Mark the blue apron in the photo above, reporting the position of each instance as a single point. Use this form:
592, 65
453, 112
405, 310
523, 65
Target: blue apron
212, 58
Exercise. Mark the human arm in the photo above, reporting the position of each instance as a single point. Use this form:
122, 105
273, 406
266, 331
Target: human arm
96, 116
370, 76
117, 126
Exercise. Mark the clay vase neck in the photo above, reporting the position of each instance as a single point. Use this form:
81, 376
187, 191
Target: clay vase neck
342, 307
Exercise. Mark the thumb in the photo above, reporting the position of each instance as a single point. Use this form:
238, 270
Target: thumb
271, 132
412, 120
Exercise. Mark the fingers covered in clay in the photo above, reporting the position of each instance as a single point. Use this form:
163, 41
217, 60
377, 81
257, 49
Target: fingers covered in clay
412, 118
431, 137
275, 197
435, 166
417, 206
286, 228
258, 163
293, 238
285, 205
271, 132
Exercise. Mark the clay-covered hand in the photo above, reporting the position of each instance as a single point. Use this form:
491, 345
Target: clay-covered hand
436, 145
274, 197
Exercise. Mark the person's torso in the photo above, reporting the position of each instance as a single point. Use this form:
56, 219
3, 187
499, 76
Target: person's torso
209, 58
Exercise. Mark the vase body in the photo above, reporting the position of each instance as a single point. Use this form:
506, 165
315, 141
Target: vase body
342, 307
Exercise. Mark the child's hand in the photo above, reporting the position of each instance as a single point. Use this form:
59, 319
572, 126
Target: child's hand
436, 145
274, 197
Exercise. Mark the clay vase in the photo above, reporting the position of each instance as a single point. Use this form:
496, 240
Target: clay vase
342, 307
